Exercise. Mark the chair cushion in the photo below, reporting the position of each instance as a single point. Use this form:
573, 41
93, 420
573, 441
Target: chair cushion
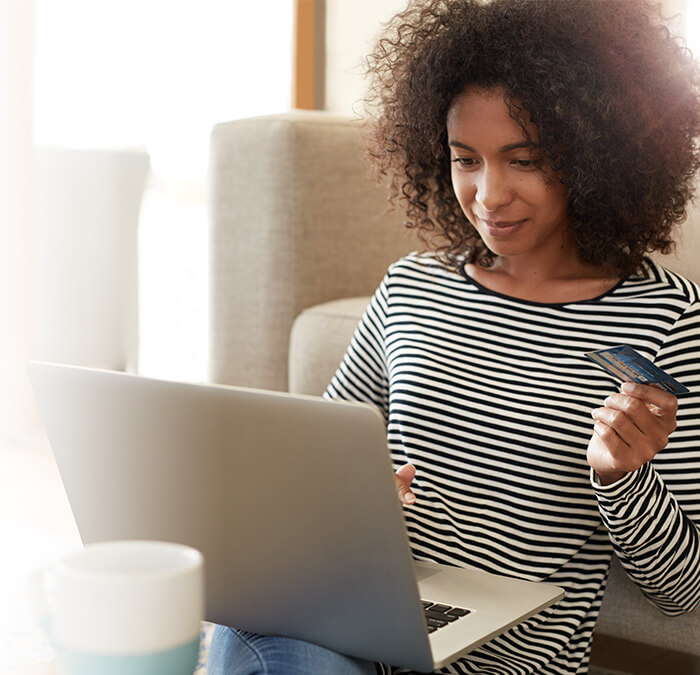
627, 614
319, 337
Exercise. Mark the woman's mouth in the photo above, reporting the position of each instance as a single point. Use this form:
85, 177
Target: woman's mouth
503, 228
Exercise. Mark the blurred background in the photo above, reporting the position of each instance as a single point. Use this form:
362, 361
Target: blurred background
106, 108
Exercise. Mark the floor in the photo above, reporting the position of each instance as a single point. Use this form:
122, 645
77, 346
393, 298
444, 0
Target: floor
615, 655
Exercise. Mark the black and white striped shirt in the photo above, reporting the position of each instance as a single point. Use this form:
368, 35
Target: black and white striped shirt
490, 397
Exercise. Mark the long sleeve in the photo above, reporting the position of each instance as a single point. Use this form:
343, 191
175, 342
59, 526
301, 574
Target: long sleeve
653, 514
362, 375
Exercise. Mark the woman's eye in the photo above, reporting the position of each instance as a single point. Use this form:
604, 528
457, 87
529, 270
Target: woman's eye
466, 162
526, 163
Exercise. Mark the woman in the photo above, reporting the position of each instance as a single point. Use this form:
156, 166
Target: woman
542, 149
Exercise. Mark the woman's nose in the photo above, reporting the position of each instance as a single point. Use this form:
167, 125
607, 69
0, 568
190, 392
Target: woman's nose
493, 189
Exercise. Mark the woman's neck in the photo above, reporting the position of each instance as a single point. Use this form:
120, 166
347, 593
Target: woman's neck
546, 281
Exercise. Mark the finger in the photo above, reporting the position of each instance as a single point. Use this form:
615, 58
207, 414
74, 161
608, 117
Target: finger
404, 478
610, 465
635, 408
622, 425
406, 495
613, 442
655, 410
614, 454
407, 473
655, 426
625, 438
664, 405
653, 395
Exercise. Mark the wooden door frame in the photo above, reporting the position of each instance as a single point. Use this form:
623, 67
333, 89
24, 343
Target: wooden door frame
308, 79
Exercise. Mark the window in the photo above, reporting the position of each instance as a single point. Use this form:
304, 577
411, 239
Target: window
159, 75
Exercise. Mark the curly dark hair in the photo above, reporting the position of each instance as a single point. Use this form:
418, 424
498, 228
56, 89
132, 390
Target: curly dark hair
614, 96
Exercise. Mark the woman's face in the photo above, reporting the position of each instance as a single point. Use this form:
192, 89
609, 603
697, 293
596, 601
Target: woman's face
501, 178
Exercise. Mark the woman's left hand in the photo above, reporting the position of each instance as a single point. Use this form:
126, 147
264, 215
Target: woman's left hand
630, 429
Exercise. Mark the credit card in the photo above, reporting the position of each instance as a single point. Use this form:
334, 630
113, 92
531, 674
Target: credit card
630, 366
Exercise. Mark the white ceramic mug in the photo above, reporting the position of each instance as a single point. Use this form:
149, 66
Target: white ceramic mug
124, 608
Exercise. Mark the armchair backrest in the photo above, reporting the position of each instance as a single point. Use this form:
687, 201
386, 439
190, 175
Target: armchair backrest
295, 221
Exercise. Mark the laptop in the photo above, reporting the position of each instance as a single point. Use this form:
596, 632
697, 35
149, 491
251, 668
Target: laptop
291, 499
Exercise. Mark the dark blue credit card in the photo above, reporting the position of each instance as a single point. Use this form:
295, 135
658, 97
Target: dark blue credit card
630, 366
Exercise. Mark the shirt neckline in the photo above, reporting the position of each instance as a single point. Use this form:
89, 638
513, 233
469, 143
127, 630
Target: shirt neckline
534, 303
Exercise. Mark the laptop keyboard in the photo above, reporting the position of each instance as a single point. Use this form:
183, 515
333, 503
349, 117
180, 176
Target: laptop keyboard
438, 615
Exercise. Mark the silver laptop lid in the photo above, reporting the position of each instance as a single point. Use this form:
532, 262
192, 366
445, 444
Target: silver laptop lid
298, 519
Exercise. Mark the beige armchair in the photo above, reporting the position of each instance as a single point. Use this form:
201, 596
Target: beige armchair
294, 222
300, 237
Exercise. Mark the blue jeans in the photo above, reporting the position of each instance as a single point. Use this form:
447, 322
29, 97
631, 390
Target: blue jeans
241, 653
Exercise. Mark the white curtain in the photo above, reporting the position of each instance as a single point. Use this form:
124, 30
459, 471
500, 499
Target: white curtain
17, 416
68, 242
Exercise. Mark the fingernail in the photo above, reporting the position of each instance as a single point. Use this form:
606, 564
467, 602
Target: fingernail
628, 387
409, 498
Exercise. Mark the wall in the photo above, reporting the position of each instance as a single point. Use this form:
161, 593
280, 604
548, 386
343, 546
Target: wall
351, 29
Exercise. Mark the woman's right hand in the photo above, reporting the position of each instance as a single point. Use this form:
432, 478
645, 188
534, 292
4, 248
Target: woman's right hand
404, 478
